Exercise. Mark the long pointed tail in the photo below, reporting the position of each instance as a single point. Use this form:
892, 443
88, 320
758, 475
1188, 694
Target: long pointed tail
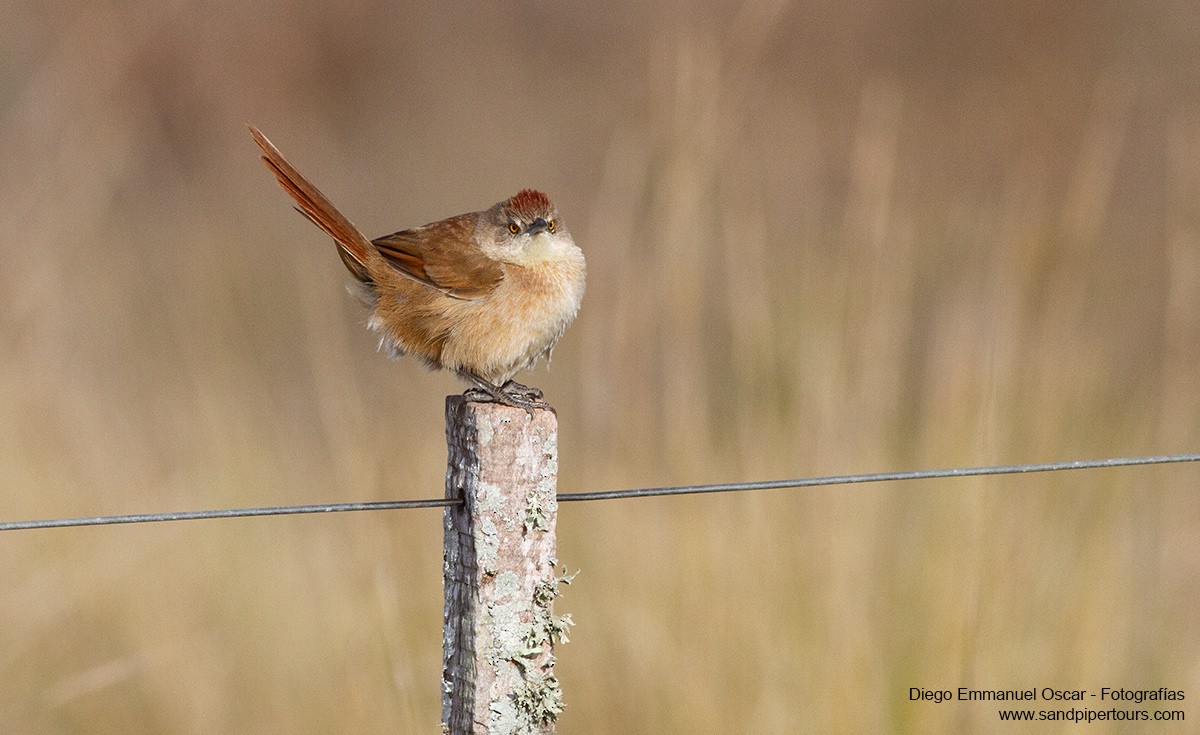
352, 244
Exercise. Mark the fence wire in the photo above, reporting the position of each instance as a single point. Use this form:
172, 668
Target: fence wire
1016, 469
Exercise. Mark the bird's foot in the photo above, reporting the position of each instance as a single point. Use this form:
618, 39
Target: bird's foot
510, 394
513, 388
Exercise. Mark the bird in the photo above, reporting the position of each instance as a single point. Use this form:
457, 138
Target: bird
483, 295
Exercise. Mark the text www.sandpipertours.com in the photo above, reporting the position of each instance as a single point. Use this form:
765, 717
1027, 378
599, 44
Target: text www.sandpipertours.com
1069, 705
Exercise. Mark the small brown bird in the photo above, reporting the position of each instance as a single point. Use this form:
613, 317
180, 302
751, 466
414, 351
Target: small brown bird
483, 294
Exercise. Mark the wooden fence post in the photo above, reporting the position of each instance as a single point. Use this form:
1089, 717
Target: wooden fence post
500, 581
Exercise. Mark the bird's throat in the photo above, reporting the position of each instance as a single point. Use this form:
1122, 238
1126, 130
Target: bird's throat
543, 247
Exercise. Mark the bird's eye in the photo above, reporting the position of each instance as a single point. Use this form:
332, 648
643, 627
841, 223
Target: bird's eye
513, 228
551, 225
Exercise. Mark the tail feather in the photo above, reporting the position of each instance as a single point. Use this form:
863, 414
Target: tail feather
352, 244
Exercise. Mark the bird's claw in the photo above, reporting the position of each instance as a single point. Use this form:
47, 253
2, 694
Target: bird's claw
510, 394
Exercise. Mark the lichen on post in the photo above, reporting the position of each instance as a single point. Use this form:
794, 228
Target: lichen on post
500, 580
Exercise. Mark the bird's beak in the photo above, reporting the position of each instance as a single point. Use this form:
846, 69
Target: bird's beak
538, 225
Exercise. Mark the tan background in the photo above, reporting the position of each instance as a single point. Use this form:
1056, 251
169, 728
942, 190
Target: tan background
822, 238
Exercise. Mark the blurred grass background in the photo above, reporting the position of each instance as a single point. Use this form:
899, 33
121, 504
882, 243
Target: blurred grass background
821, 237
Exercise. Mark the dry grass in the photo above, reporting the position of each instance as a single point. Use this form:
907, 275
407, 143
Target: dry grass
820, 240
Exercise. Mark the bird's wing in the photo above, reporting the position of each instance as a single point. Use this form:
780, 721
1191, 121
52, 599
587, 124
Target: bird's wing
443, 255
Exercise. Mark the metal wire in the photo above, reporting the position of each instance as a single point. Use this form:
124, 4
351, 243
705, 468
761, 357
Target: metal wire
881, 477
198, 515
611, 494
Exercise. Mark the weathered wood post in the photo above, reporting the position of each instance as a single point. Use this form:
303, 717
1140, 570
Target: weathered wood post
500, 581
